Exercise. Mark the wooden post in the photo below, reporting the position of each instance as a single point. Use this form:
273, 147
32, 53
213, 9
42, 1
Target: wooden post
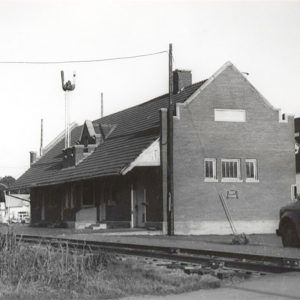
97, 200
132, 206
43, 207
170, 147
103, 201
164, 166
64, 199
145, 207
81, 194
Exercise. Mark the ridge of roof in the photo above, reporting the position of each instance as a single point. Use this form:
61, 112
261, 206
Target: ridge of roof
163, 96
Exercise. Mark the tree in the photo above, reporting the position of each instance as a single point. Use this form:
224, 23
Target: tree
7, 180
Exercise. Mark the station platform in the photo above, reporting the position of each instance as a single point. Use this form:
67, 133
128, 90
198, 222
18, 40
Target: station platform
259, 244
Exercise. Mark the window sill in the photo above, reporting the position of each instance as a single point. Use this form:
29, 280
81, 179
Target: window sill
248, 180
210, 180
231, 180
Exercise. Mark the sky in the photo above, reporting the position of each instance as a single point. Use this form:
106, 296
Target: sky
258, 37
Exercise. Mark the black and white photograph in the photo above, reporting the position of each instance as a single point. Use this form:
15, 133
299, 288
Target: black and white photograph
150, 149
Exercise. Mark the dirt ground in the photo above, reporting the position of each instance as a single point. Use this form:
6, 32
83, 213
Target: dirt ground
281, 286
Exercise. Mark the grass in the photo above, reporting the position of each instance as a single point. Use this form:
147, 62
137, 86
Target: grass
44, 272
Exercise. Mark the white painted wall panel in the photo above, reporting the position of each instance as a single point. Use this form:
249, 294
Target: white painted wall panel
230, 115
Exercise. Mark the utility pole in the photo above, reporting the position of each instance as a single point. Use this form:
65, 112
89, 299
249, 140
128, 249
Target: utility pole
67, 87
41, 146
170, 147
102, 105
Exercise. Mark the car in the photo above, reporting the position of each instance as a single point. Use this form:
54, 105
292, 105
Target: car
25, 220
289, 224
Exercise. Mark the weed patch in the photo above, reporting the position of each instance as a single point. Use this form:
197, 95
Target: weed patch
47, 272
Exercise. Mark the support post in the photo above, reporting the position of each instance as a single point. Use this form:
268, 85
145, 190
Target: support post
170, 147
43, 208
98, 188
64, 200
67, 87
164, 166
132, 206
67, 138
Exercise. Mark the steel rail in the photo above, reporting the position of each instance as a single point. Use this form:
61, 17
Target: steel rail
242, 261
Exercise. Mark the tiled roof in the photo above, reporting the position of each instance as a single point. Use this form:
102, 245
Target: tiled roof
135, 129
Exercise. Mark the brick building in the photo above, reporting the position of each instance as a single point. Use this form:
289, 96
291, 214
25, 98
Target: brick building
228, 140
236, 141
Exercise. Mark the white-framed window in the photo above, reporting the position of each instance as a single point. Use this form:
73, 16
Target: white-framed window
283, 118
295, 195
251, 170
210, 169
230, 115
231, 170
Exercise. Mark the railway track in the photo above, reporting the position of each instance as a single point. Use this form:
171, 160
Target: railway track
208, 258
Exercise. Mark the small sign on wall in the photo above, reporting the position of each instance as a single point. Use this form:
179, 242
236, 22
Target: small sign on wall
232, 194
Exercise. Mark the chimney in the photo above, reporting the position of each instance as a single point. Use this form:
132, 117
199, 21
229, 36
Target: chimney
33, 156
181, 79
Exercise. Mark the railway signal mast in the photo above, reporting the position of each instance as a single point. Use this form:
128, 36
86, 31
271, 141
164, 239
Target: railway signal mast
67, 88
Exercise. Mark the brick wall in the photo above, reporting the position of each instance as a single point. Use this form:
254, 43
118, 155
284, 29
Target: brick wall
197, 136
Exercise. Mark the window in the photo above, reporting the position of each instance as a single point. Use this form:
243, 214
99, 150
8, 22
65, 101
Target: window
297, 147
210, 169
231, 170
77, 193
109, 195
230, 115
295, 192
283, 118
251, 170
88, 194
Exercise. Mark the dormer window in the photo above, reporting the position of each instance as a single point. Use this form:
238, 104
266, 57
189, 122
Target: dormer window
90, 138
86, 144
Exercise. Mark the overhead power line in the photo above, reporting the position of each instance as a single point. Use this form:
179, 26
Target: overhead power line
81, 61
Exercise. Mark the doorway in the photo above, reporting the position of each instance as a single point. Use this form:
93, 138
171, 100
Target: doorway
140, 206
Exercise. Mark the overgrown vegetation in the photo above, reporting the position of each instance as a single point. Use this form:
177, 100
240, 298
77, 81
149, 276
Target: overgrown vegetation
47, 272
